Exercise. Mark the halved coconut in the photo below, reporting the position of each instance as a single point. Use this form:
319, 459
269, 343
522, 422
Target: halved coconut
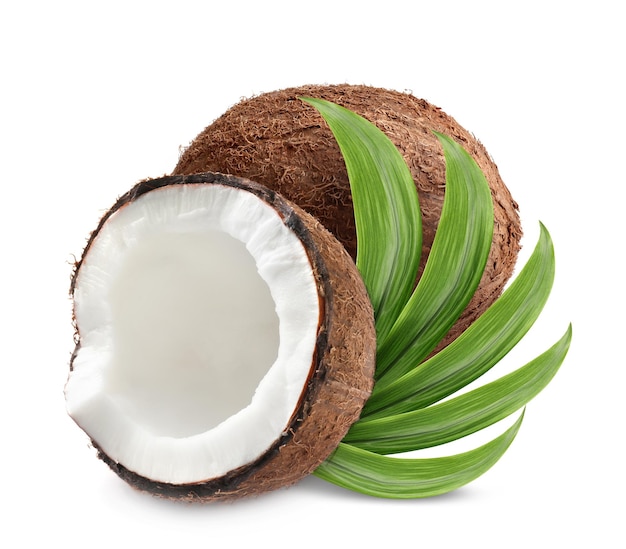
225, 340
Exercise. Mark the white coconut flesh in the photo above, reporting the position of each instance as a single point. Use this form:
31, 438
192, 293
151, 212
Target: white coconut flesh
197, 311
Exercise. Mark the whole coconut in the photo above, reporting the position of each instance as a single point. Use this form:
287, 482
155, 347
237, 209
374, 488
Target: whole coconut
283, 143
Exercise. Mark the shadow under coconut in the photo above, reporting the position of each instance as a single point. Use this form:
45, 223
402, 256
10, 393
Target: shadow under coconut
310, 487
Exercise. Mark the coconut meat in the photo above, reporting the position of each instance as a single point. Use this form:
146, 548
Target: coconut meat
197, 311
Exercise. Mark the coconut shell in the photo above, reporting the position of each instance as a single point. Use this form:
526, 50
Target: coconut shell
283, 143
341, 375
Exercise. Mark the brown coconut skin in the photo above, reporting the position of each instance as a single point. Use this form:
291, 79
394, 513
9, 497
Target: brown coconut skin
341, 376
283, 143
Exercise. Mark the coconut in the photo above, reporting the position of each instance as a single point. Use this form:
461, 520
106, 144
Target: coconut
225, 340
283, 143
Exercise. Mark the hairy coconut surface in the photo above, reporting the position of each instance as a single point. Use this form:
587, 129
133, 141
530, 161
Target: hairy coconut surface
338, 365
281, 142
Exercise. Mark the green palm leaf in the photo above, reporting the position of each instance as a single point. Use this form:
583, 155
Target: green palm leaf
462, 415
386, 211
400, 414
400, 478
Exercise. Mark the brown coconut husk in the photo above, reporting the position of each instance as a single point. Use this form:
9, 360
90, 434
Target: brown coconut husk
283, 143
341, 375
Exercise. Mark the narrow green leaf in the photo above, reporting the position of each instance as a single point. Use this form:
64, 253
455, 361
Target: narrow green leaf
480, 347
402, 478
462, 415
386, 208
453, 271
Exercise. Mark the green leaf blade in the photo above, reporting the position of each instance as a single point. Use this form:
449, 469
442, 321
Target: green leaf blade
386, 208
400, 478
463, 415
480, 347
453, 271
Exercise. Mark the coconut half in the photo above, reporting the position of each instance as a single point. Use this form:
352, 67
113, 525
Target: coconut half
225, 340
283, 143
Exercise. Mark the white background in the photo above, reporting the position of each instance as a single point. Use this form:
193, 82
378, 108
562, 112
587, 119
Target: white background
95, 96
